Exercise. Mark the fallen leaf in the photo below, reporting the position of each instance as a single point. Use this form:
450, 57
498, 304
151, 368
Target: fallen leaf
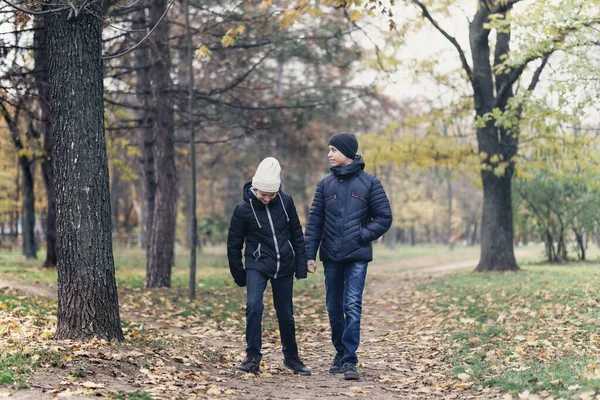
464, 377
92, 385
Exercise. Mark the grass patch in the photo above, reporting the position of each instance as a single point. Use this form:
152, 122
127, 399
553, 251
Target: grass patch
534, 330
15, 368
132, 396
130, 268
222, 305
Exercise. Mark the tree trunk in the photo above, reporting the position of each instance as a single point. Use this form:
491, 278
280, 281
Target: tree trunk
162, 238
87, 294
496, 143
28, 213
193, 216
497, 251
473, 239
449, 239
115, 197
41, 80
146, 131
390, 237
580, 244
18, 200
549, 243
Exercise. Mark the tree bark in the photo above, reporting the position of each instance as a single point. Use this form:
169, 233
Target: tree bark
499, 146
449, 239
497, 251
28, 213
162, 238
146, 131
41, 80
87, 294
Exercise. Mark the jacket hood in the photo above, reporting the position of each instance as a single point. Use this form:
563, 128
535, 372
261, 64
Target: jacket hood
347, 170
247, 195
256, 204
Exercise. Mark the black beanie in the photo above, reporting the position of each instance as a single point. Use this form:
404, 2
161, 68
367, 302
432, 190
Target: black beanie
346, 143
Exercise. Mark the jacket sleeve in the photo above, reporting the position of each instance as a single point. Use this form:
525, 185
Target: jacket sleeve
315, 222
235, 243
298, 242
380, 212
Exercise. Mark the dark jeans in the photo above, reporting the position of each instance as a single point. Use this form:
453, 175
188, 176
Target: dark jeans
344, 283
282, 299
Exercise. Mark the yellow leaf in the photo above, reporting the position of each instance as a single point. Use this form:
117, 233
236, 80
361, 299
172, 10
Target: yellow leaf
202, 53
227, 41
591, 367
356, 14
266, 4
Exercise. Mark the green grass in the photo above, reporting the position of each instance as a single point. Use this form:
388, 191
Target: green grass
130, 268
132, 396
535, 330
14, 368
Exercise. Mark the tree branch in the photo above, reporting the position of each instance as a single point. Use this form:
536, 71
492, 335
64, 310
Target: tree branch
144, 38
536, 75
451, 39
32, 12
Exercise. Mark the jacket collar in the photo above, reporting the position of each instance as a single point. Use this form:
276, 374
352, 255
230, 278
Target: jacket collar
348, 170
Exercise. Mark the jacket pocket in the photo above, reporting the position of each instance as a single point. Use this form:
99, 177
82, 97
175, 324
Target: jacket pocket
361, 238
331, 197
256, 253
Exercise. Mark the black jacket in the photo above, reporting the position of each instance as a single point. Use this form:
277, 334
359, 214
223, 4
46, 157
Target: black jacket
272, 234
349, 211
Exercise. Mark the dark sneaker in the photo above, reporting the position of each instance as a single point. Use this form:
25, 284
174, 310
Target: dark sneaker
350, 372
336, 365
296, 365
250, 364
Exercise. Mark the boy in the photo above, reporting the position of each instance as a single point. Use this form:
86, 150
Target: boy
349, 211
267, 222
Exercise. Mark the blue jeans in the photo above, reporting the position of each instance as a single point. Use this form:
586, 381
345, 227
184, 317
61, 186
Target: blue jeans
344, 283
282, 298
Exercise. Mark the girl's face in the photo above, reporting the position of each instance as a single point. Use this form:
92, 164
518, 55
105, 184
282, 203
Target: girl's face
265, 197
336, 158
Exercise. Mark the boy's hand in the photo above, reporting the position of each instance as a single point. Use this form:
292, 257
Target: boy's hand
312, 266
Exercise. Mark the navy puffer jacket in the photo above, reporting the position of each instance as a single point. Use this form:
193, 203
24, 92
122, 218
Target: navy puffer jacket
349, 211
272, 235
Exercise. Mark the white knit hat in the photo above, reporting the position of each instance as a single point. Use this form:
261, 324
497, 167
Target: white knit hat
267, 177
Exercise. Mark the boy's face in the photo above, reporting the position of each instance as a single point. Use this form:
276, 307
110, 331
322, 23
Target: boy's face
336, 158
265, 197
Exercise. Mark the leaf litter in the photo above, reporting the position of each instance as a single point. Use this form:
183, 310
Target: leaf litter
180, 350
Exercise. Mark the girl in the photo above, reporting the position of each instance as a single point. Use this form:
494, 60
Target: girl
267, 223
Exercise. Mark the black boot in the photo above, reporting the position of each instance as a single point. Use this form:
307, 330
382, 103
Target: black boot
350, 372
295, 364
250, 364
336, 365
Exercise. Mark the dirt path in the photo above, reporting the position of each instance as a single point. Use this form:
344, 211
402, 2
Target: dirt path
399, 353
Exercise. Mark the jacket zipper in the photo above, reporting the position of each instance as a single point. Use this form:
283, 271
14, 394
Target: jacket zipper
292, 247
330, 197
360, 198
274, 239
